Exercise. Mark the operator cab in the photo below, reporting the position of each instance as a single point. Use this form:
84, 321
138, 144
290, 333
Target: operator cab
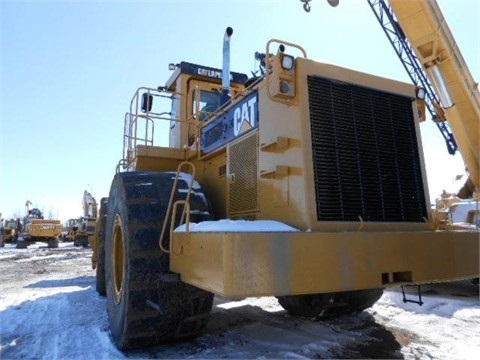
174, 114
35, 214
198, 90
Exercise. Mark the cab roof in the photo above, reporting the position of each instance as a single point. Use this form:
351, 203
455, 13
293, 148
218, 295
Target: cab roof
203, 73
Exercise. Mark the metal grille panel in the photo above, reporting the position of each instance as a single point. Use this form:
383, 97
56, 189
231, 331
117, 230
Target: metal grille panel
243, 171
365, 154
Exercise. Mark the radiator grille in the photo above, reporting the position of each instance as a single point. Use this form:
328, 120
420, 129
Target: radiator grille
365, 154
243, 169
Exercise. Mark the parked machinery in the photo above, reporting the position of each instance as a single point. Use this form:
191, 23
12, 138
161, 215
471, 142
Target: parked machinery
38, 229
85, 229
71, 226
11, 229
98, 247
2, 239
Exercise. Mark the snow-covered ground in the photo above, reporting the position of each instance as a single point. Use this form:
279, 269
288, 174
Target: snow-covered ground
49, 309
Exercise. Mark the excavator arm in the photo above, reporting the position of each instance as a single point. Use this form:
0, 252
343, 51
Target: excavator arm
89, 205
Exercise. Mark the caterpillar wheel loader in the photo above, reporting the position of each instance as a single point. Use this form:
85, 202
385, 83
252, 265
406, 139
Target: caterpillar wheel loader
306, 183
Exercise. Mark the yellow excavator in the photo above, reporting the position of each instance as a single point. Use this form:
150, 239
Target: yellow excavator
38, 229
306, 183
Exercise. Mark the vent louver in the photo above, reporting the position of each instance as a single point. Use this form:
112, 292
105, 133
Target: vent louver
365, 154
243, 163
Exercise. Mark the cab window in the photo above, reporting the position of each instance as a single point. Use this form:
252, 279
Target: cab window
209, 101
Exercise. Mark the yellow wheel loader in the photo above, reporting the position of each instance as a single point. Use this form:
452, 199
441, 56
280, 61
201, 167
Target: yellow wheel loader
11, 229
72, 226
306, 183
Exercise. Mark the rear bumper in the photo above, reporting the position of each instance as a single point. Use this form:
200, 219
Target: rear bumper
243, 264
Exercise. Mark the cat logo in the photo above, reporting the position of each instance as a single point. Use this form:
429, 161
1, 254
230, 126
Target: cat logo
242, 117
245, 115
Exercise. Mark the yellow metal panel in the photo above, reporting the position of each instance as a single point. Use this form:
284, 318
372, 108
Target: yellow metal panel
44, 228
214, 183
156, 158
286, 184
242, 175
265, 264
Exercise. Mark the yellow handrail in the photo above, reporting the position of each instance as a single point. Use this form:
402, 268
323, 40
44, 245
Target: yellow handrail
186, 205
170, 203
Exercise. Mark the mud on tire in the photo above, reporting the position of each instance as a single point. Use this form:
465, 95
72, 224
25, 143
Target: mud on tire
146, 303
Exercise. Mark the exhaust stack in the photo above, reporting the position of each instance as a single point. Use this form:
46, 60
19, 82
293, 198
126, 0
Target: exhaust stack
225, 97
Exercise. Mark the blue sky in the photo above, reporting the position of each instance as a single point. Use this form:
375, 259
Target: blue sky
69, 70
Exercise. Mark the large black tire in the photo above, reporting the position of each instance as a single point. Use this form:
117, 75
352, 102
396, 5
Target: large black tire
102, 218
22, 244
330, 304
146, 303
52, 242
85, 242
81, 240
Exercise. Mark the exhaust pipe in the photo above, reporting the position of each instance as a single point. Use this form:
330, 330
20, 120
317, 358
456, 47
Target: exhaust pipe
225, 97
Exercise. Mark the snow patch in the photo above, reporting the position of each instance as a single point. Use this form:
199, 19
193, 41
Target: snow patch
187, 178
227, 225
144, 184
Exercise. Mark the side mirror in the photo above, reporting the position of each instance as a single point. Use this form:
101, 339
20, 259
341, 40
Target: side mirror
147, 101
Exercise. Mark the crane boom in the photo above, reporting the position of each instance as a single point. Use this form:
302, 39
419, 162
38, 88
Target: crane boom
425, 27
414, 68
419, 33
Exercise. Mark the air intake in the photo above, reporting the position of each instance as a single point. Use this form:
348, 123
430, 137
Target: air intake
365, 154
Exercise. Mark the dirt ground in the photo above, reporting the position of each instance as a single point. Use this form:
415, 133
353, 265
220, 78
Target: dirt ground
49, 309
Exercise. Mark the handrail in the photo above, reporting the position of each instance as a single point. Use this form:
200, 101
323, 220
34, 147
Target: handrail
134, 117
137, 120
186, 205
170, 203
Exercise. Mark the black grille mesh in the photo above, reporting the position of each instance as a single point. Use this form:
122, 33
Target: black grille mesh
365, 154
243, 161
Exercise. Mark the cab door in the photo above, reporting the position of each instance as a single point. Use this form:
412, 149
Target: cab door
202, 100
